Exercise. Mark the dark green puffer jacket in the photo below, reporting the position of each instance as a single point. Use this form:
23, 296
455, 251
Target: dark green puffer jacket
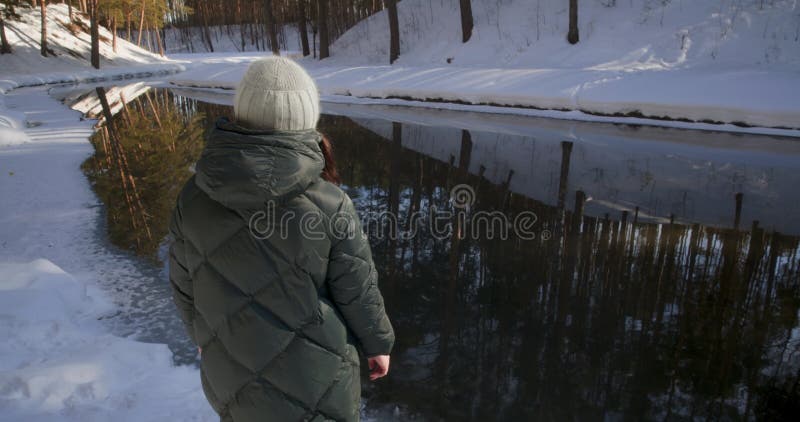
278, 316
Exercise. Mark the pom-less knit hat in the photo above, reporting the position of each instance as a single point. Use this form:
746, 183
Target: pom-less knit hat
277, 94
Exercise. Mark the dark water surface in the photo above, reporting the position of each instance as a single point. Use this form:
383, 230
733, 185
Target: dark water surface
641, 291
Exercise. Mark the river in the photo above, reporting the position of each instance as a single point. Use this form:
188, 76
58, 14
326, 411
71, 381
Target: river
657, 278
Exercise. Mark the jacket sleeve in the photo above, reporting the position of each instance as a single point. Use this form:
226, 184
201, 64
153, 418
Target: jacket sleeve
179, 278
353, 283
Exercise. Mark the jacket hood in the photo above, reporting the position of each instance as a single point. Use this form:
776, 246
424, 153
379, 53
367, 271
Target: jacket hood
245, 168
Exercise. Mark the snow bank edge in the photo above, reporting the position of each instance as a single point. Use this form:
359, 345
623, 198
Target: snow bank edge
725, 119
12, 82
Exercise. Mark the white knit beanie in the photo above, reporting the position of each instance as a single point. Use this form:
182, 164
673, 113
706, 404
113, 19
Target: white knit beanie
276, 94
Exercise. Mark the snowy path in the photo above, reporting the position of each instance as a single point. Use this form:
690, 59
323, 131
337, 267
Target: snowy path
56, 273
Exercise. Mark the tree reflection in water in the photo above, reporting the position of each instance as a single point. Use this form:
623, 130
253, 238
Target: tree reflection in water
611, 317
140, 166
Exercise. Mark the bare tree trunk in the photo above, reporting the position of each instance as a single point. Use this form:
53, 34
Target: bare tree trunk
128, 29
240, 19
269, 24
160, 43
141, 26
322, 17
5, 47
467, 22
573, 36
43, 43
114, 34
206, 33
149, 39
301, 25
95, 34
69, 5
394, 31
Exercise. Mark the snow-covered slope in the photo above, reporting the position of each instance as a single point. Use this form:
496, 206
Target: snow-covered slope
70, 41
70, 44
735, 62
631, 35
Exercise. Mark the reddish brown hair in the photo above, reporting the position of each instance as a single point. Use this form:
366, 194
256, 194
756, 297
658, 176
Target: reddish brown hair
329, 173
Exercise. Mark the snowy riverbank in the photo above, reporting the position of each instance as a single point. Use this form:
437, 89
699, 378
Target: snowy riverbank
59, 360
705, 61
690, 98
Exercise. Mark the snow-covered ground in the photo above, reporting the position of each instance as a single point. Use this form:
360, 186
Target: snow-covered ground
59, 359
734, 62
63, 355
12, 126
71, 44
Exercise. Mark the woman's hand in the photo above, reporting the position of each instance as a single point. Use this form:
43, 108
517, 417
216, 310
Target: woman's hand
378, 366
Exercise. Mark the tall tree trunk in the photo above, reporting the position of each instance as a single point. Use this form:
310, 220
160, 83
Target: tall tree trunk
148, 40
128, 25
5, 47
467, 22
322, 17
69, 6
269, 24
394, 31
301, 26
240, 19
95, 33
160, 42
572, 36
141, 26
114, 34
43, 42
207, 32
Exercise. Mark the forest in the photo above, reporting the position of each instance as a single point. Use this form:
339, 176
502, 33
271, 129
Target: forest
259, 22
